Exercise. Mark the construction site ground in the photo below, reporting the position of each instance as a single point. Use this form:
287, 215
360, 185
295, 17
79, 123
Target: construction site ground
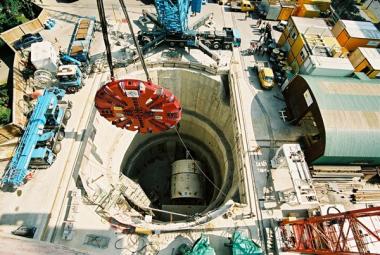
43, 201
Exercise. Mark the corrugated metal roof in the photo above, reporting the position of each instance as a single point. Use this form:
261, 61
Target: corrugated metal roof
361, 29
350, 109
372, 55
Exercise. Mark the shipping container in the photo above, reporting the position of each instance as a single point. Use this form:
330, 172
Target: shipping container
353, 34
282, 39
290, 57
44, 56
298, 45
366, 60
286, 12
327, 66
308, 11
323, 5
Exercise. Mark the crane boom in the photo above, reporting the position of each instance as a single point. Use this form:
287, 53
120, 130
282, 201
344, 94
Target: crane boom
351, 232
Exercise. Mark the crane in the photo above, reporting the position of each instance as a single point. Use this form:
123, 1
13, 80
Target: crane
40, 143
172, 27
133, 104
352, 232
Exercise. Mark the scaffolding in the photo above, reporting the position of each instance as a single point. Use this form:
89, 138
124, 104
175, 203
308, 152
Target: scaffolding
351, 232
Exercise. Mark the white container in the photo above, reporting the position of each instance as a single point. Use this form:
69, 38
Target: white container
44, 56
327, 66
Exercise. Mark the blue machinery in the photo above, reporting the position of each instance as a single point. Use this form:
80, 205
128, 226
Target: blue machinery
81, 40
40, 142
172, 15
172, 28
70, 78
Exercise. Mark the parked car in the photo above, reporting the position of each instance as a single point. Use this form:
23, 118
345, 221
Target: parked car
26, 40
280, 26
265, 74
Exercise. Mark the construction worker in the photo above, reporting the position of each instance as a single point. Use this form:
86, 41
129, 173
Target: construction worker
258, 23
247, 14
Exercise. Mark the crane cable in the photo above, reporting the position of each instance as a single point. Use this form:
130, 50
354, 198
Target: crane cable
148, 78
103, 23
197, 165
139, 52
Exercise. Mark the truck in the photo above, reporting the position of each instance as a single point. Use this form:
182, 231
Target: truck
225, 39
70, 78
172, 28
265, 74
41, 139
81, 39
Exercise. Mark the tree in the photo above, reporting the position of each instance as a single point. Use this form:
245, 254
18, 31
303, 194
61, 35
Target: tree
347, 9
5, 112
14, 12
27, 9
9, 11
5, 115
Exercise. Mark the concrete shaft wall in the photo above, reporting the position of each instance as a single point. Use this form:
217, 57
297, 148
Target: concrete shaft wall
206, 118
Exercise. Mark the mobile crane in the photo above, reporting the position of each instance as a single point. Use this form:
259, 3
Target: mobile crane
40, 142
172, 27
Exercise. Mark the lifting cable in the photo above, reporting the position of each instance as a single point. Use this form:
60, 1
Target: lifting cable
103, 23
197, 165
141, 56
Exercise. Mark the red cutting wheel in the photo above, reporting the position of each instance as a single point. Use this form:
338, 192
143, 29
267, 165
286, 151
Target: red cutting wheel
138, 105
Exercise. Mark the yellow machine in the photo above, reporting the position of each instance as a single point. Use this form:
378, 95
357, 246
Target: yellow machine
242, 5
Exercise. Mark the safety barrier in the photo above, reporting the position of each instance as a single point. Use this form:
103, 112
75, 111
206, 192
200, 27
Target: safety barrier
20, 86
213, 70
30, 27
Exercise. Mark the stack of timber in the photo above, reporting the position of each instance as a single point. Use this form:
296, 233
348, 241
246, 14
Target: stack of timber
336, 173
365, 196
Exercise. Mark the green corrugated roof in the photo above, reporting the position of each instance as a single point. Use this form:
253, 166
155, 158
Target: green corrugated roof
350, 110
